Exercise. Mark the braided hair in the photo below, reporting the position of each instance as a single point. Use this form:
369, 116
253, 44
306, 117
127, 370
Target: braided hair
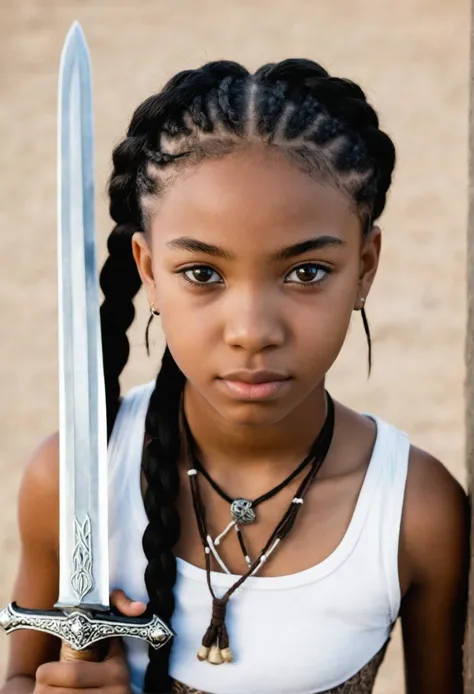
325, 125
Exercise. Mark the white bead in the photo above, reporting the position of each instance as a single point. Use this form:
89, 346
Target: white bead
192, 472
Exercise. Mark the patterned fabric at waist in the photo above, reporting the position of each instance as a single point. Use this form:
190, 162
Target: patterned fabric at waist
362, 682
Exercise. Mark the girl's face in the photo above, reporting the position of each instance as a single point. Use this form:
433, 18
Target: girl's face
255, 267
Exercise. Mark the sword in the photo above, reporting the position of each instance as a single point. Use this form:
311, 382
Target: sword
82, 616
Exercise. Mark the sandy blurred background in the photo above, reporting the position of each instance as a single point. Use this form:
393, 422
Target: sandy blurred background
411, 57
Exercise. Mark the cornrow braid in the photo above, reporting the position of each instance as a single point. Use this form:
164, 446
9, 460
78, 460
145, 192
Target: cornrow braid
323, 124
162, 533
117, 311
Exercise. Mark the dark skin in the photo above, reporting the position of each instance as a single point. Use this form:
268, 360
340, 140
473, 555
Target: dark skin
255, 313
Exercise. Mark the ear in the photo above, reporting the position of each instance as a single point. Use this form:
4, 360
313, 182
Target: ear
369, 262
142, 254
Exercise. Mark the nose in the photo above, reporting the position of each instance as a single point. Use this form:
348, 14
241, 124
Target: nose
253, 322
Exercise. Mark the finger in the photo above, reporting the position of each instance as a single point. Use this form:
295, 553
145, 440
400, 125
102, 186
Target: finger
70, 675
130, 608
83, 675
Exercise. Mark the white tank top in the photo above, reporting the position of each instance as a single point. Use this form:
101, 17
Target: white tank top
299, 634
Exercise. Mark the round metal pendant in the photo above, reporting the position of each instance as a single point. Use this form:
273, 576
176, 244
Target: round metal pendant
242, 511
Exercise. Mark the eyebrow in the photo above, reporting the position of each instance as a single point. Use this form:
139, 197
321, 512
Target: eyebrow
186, 243
315, 244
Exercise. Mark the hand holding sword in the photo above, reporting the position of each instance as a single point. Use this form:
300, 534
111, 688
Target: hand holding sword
112, 673
82, 617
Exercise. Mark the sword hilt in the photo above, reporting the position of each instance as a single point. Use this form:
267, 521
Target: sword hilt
91, 655
81, 630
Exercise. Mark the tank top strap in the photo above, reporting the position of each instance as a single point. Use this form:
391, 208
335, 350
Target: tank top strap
380, 535
395, 473
129, 429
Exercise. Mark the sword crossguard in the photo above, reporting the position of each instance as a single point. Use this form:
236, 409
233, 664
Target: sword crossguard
80, 629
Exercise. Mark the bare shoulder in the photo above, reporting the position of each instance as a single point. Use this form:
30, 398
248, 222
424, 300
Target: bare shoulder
39, 494
429, 480
436, 516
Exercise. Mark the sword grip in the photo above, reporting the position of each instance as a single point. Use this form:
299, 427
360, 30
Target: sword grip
91, 655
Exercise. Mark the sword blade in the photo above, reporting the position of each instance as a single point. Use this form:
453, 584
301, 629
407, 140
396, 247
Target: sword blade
84, 567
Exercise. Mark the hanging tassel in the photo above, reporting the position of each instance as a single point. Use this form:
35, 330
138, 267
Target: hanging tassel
226, 653
215, 656
215, 643
203, 653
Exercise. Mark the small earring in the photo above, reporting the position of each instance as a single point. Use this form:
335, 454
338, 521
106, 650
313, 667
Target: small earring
366, 330
153, 313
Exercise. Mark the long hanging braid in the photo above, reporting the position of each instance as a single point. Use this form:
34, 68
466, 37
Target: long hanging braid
322, 123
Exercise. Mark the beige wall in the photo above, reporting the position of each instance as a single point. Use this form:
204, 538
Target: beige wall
411, 57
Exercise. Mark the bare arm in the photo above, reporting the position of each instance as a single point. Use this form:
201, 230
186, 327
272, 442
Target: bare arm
37, 580
33, 658
435, 545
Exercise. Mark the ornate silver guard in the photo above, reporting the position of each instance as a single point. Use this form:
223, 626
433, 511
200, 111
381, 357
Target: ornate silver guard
80, 630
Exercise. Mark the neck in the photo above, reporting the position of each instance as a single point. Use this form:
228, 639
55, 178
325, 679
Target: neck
224, 445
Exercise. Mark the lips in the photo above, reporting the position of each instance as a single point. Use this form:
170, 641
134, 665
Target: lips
252, 377
254, 385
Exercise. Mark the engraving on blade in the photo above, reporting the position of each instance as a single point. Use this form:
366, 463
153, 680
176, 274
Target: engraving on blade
84, 562
82, 579
80, 631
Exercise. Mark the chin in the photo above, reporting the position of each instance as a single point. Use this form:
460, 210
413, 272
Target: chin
253, 414
266, 411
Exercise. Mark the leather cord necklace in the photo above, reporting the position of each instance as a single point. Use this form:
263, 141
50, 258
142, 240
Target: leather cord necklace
243, 510
215, 647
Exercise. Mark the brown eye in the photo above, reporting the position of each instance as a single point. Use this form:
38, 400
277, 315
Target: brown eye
308, 274
201, 274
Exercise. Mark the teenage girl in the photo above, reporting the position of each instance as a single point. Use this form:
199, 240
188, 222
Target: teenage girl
280, 534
